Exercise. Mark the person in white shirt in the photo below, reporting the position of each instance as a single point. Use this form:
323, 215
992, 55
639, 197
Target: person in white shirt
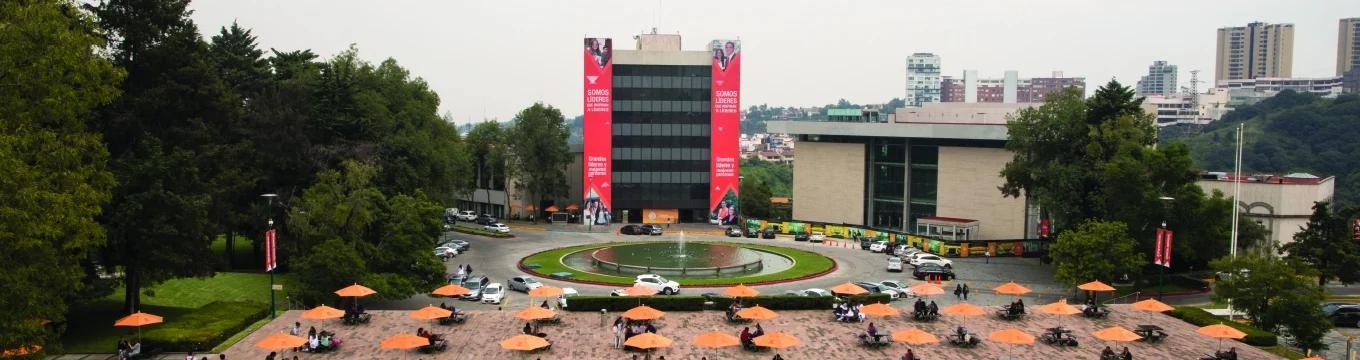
313, 342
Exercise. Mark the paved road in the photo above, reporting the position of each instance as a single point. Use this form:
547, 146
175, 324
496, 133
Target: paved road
497, 258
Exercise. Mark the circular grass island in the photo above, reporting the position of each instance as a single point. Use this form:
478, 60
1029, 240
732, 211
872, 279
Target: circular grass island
692, 263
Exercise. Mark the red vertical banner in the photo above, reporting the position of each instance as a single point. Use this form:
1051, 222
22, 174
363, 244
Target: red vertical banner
1166, 248
1043, 228
270, 256
598, 130
725, 130
1157, 252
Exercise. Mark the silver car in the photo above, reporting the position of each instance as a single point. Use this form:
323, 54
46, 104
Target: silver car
524, 283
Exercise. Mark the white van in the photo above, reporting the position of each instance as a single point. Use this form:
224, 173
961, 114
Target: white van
467, 215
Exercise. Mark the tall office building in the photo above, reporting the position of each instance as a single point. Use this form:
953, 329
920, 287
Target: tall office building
1160, 80
1008, 89
923, 79
1348, 46
1256, 50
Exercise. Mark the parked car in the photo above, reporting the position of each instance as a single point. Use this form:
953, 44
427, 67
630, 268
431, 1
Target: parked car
523, 283
802, 236
658, 283
895, 264
497, 227
1344, 315
634, 230
808, 292
817, 237
445, 252
866, 243
879, 246
900, 287
461, 245
733, 231
932, 270
931, 259
875, 288
485, 219
475, 284
904, 251
493, 293
767, 234
653, 229
467, 215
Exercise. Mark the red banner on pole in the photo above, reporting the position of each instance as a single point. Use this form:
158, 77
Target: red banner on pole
270, 257
725, 130
597, 131
1158, 251
1166, 248
1043, 228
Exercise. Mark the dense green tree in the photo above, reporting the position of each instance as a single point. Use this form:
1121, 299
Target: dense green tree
1273, 294
755, 199
1326, 244
1084, 159
171, 138
1096, 250
1252, 236
777, 176
54, 173
486, 145
538, 152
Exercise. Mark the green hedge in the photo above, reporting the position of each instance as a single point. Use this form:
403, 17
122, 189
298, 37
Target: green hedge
479, 231
1199, 317
203, 328
696, 303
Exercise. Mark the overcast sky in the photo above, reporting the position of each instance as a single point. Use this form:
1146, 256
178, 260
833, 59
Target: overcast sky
488, 59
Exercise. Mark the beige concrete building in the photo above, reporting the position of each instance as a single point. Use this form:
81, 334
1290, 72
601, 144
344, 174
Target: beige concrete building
940, 162
1280, 203
1347, 46
1256, 50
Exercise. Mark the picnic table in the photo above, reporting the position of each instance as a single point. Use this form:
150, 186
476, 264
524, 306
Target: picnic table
880, 338
1059, 336
970, 340
1094, 311
1005, 313
924, 316
1151, 333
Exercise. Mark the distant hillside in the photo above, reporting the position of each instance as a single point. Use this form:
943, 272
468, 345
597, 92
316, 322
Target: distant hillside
1290, 132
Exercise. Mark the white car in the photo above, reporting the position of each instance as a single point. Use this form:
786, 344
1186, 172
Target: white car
906, 251
813, 292
895, 264
900, 287
817, 237
524, 283
493, 294
658, 283
931, 259
566, 293
445, 251
498, 227
467, 215
878, 246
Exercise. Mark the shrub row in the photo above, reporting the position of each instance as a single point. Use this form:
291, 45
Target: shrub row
696, 303
205, 327
479, 231
1199, 317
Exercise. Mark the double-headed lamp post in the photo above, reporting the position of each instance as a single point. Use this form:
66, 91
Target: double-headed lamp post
1161, 269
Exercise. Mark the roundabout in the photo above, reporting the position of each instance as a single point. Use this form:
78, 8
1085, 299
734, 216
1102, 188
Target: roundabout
701, 263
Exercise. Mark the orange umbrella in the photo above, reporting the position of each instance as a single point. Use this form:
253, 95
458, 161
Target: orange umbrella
716, 339
648, 341
138, 320
776, 340
740, 291
280, 341
1152, 305
430, 313
404, 342
450, 290
573, 207
1059, 307
21, 351
926, 289
848, 289
643, 312
1011, 336
964, 309
1096, 286
1011, 288
355, 290
638, 291
1221, 332
529, 208
546, 291
552, 208
756, 313
879, 309
1313, 358
524, 343
535, 313
1115, 333
322, 312
914, 336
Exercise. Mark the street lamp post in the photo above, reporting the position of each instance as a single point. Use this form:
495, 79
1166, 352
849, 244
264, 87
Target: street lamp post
740, 219
590, 222
1161, 269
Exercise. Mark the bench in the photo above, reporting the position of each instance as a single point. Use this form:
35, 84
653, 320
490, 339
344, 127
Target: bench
561, 275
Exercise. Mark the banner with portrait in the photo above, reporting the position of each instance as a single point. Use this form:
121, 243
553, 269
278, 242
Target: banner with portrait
725, 129
597, 131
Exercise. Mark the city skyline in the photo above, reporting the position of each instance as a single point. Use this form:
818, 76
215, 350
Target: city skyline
499, 59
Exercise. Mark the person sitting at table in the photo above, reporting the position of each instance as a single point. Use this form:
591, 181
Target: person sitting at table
934, 309
1231, 354
313, 342
650, 328
324, 341
758, 332
135, 349
1126, 355
528, 328
732, 311
745, 336
1020, 303
920, 306
910, 356
871, 329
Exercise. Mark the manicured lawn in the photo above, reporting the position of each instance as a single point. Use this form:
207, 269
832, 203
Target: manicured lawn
805, 263
242, 251
196, 312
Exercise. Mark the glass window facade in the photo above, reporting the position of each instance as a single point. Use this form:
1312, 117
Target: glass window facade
661, 139
924, 170
904, 182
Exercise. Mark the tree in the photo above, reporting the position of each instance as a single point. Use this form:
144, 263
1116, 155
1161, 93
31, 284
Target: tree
54, 174
1253, 236
1326, 244
755, 199
486, 146
778, 177
538, 152
1097, 250
1273, 295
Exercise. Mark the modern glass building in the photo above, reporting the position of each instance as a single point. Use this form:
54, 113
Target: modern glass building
661, 138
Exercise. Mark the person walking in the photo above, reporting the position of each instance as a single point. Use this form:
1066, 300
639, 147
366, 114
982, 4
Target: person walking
987, 257
965, 292
958, 291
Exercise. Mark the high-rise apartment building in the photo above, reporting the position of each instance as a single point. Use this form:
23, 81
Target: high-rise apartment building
1348, 46
1160, 80
923, 79
1256, 50
1008, 89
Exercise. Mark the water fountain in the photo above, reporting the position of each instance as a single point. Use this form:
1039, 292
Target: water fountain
680, 247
